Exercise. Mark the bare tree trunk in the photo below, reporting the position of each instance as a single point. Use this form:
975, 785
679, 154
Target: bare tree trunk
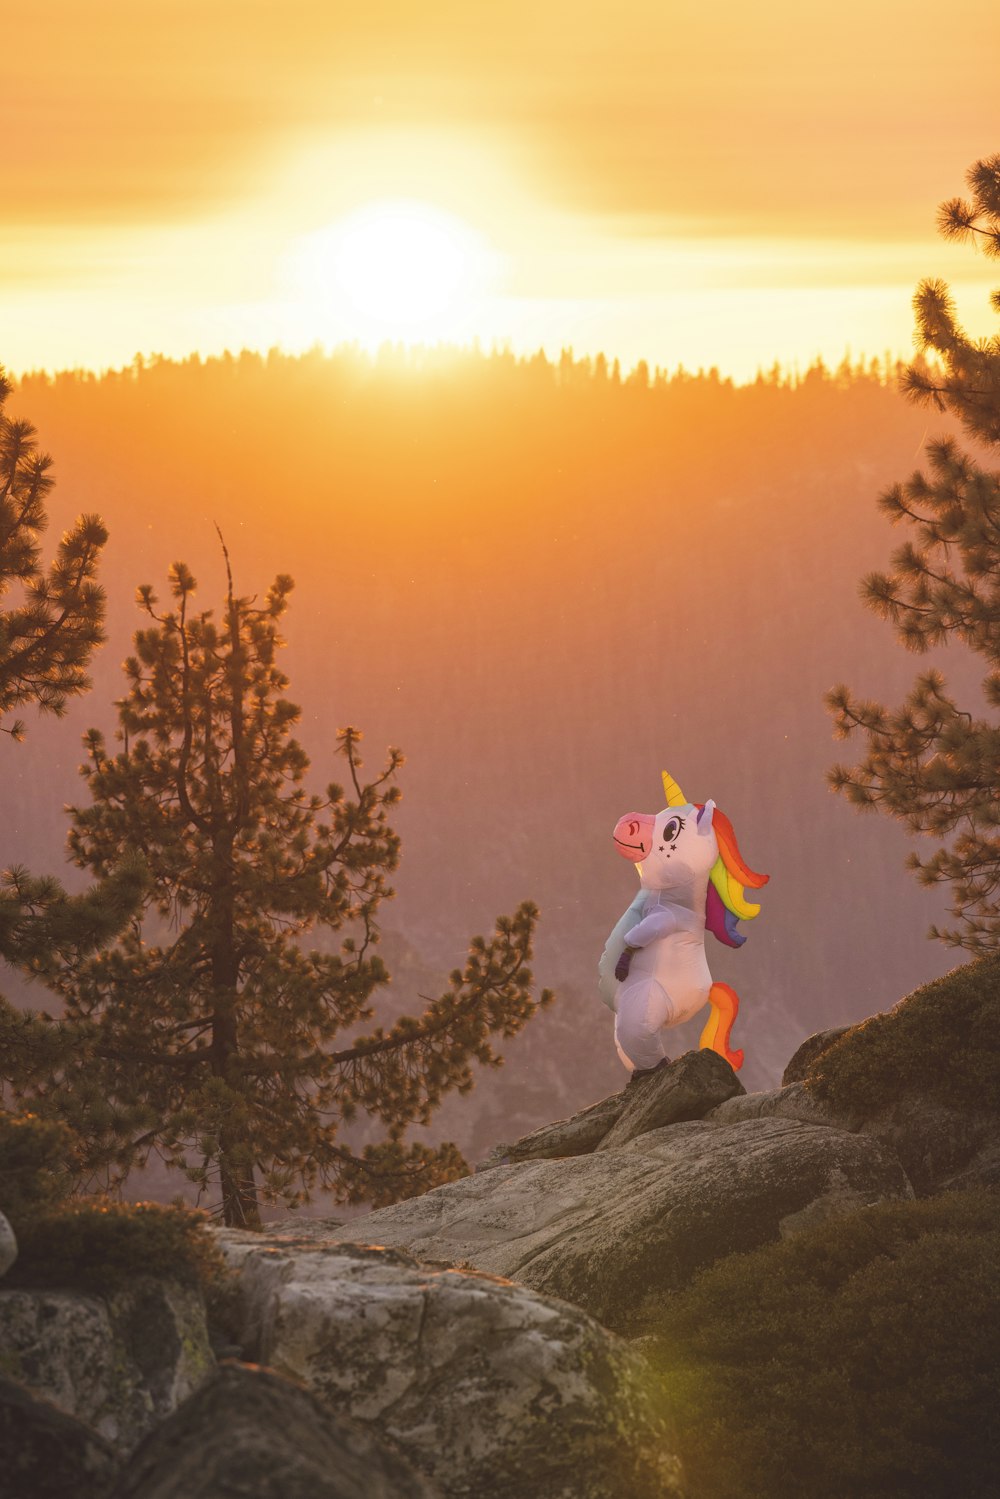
239, 1190
240, 1208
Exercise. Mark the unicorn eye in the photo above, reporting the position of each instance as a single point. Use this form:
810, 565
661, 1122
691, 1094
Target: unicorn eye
672, 828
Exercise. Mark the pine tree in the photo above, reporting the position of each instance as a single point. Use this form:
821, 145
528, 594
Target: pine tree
207, 1031
46, 642
929, 762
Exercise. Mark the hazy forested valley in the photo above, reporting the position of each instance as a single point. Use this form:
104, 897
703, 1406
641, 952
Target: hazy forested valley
544, 583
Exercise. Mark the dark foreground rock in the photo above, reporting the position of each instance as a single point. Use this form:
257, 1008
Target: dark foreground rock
609, 1230
487, 1387
250, 1434
45, 1454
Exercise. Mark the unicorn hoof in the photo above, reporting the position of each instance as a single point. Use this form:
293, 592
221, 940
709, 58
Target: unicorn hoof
638, 1073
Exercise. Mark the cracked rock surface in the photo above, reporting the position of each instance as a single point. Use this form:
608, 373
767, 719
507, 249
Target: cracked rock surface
487, 1387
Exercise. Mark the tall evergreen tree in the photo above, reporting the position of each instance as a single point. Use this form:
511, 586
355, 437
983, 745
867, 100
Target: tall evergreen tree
207, 1031
46, 641
929, 762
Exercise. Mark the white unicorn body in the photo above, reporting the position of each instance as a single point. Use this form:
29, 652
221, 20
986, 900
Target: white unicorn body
654, 971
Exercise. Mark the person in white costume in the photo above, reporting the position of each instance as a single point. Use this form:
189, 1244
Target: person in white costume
654, 971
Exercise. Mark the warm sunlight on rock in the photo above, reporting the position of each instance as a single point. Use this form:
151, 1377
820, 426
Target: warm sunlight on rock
394, 268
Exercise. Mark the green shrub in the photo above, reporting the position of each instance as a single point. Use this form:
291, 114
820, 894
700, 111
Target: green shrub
100, 1247
857, 1359
37, 1165
941, 1042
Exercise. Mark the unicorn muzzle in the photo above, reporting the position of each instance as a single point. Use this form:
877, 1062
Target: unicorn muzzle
633, 836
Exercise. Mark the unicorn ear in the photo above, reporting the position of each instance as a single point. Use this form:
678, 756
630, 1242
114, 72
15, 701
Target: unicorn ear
705, 819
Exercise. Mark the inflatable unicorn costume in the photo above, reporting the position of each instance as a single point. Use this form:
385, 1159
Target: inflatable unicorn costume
654, 973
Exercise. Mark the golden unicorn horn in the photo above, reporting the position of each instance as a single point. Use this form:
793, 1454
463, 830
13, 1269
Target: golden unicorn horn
675, 796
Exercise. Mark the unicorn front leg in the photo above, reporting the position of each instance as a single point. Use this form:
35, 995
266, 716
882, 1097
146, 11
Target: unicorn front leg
659, 923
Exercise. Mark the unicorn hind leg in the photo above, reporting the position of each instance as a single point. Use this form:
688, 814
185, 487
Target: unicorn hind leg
725, 1004
644, 1009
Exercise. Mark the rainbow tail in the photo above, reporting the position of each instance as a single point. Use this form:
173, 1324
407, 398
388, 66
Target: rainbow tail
725, 1004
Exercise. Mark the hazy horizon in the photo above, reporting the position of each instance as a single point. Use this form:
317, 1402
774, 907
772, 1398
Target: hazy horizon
417, 356
719, 188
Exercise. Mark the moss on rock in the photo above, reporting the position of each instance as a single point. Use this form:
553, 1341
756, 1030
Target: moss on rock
940, 1043
100, 1247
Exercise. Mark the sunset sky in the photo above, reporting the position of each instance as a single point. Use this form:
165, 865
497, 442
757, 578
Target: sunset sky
659, 179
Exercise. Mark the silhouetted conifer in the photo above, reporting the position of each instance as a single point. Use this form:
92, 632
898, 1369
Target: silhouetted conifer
208, 1028
930, 763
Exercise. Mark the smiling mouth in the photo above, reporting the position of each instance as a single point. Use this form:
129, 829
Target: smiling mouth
620, 844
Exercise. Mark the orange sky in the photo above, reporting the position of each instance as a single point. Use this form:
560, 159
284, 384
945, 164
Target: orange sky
723, 184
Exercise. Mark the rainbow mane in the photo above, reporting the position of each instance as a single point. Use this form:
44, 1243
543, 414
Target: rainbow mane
727, 904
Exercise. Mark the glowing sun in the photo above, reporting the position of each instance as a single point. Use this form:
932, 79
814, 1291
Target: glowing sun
395, 267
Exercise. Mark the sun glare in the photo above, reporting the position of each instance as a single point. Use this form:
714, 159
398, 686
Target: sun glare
394, 269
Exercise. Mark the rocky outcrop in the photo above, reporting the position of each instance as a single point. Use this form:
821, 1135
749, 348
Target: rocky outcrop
794, 1101
578, 1135
486, 1386
46, 1454
809, 1052
942, 1146
480, 1366
939, 1146
687, 1089
981, 1171
119, 1364
250, 1434
609, 1230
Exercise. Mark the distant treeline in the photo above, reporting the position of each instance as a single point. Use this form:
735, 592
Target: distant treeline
426, 359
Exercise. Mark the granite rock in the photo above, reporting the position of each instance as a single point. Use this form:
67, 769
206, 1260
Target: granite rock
609, 1230
487, 1387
